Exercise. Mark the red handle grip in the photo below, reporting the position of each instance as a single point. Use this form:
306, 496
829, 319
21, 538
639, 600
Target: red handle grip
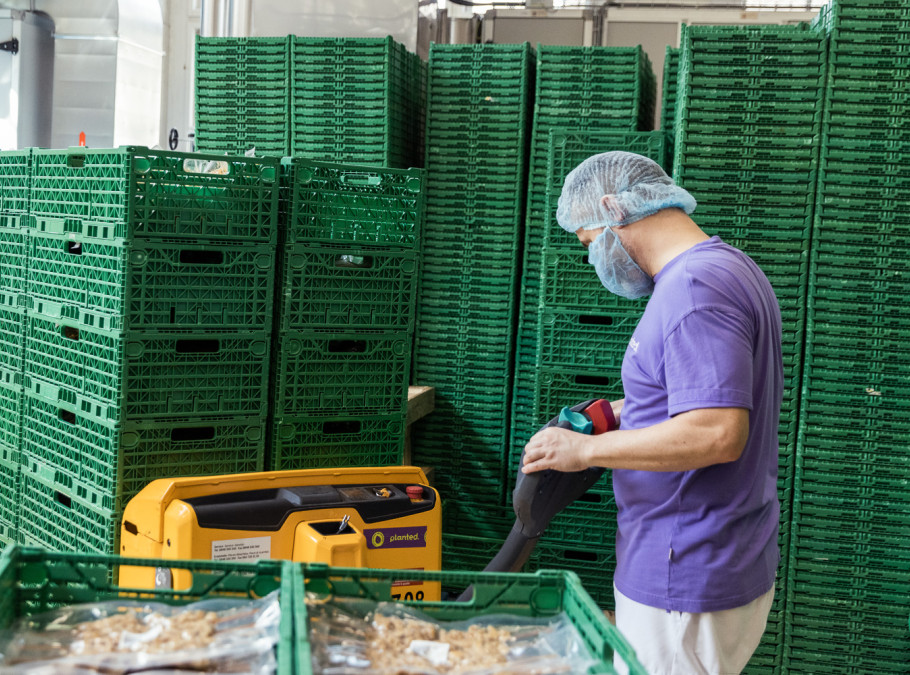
601, 415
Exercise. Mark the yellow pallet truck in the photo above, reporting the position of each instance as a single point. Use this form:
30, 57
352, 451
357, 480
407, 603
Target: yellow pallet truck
384, 517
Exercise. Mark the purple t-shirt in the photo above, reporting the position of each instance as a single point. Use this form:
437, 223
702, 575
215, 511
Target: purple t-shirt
710, 337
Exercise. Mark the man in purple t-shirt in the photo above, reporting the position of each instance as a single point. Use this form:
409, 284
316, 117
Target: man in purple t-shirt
695, 458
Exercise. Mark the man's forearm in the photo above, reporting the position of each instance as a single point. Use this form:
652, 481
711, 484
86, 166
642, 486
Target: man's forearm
688, 441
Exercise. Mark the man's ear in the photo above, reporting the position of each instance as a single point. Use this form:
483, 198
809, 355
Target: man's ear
612, 207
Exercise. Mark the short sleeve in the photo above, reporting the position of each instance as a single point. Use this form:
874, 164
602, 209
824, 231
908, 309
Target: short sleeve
708, 362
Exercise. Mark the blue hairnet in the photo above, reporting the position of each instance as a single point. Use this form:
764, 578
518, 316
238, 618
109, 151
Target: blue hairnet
638, 185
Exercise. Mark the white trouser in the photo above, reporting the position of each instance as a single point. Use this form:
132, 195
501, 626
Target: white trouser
679, 643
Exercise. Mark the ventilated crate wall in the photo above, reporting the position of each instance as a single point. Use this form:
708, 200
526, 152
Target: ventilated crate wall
350, 241
848, 575
591, 90
136, 345
358, 100
478, 109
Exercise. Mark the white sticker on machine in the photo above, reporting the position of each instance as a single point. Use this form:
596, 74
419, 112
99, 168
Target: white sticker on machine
251, 548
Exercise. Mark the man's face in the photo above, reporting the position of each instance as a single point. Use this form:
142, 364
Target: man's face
587, 236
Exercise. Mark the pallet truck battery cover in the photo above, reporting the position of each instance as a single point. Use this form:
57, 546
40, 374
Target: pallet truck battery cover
383, 517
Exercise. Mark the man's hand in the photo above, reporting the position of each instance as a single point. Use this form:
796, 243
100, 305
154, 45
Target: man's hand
558, 449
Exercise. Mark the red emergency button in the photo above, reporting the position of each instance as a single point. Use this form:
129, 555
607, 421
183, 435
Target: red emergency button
415, 492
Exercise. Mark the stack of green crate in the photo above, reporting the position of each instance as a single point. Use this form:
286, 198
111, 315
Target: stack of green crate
583, 331
242, 87
849, 575
15, 191
149, 290
591, 89
356, 100
345, 316
670, 89
478, 111
747, 137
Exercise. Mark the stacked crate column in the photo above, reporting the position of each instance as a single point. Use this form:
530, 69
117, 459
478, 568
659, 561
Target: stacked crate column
747, 134
345, 319
15, 195
478, 114
356, 100
591, 89
242, 99
149, 299
848, 581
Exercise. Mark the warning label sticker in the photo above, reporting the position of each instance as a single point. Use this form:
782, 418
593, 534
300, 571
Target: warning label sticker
238, 550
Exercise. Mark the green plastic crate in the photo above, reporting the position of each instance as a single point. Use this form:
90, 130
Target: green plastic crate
33, 581
12, 344
568, 280
797, 41
670, 87
594, 565
11, 413
13, 257
54, 516
9, 495
324, 442
349, 288
146, 284
557, 388
475, 518
322, 374
588, 522
584, 339
468, 552
472, 464
133, 191
116, 376
15, 181
546, 593
106, 465
477, 152
368, 205
591, 112
378, 72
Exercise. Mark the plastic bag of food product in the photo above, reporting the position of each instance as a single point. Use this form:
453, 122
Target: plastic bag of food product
356, 636
224, 635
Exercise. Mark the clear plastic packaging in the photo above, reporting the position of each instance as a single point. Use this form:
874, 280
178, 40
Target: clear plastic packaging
353, 637
223, 635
